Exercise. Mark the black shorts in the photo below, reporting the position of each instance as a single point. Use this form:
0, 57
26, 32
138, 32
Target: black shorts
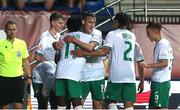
11, 90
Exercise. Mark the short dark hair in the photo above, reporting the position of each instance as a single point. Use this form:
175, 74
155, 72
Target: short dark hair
9, 23
123, 19
154, 25
87, 14
74, 23
55, 16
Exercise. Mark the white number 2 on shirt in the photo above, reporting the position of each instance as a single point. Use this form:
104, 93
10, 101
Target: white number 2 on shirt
127, 51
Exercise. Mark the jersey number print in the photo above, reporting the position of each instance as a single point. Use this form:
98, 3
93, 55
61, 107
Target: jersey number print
128, 50
67, 52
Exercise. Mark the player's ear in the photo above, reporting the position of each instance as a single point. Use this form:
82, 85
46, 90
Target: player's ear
53, 23
83, 22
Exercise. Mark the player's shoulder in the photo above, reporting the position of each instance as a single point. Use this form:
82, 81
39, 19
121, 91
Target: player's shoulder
85, 34
118, 32
163, 41
128, 32
111, 32
44, 34
78, 33
20, 40
97, 31
72, 33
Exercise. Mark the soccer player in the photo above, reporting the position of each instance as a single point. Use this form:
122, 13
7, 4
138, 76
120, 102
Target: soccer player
93, 76
68, 73
46, 52
93, 72
43, 84
121, 44
162, 67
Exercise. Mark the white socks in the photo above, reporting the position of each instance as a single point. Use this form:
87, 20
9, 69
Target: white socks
61, 107
112, 106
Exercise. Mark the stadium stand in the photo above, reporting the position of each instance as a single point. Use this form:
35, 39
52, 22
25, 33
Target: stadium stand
94, 5
90, 5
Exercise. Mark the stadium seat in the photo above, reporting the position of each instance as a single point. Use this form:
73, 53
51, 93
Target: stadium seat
7, 8
63, 7
74, 10
95, 5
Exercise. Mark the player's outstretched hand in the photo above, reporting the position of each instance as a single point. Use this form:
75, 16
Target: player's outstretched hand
58, 45
28, 80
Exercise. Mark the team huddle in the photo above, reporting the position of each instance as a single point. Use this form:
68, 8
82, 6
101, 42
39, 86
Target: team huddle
72, 65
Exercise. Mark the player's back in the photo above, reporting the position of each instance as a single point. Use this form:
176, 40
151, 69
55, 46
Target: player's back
122, 55
69, 67
68, 47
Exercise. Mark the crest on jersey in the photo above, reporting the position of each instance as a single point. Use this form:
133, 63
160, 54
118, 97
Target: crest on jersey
19, 54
